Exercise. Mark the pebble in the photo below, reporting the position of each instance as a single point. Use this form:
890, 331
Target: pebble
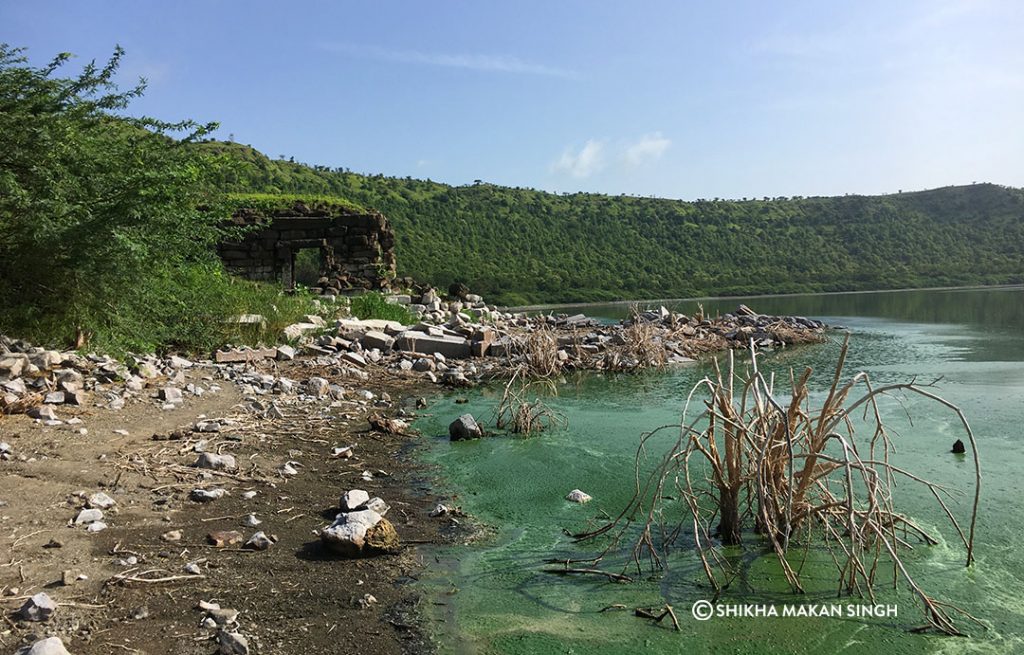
206, 495
259, 541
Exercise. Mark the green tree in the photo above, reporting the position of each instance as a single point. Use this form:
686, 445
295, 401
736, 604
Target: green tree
99, 213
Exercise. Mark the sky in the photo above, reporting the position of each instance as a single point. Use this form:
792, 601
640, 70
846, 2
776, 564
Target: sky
667, 98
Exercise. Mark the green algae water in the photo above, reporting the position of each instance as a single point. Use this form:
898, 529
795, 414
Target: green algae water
493, 596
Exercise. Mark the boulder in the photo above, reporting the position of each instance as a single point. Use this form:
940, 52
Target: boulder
465, 427
379, 340
12, 365
360, 534
421, 342
48, 646
44, 413
317, 386
244, 355
54, 398
423, 364
47, 359
170, 395
74, 397
958, 447
458, 290
15, 386
38, 608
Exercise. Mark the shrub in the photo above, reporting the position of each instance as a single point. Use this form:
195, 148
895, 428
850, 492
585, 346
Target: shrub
375, 305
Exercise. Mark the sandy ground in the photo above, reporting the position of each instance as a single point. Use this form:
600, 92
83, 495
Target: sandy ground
292, 598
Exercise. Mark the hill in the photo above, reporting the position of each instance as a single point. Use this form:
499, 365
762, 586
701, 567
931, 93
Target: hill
517, 245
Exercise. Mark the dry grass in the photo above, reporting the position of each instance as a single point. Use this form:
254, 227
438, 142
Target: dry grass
519, 413
538, 353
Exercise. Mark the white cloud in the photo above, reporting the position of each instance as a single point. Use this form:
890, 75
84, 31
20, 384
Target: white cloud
478, 62
648, 148
589, 160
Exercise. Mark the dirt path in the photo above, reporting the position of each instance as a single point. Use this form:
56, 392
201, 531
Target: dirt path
291, 598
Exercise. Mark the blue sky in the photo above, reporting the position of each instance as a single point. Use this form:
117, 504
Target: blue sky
677, 99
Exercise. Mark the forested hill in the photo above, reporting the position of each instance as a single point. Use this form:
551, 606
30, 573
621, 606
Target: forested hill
517, 245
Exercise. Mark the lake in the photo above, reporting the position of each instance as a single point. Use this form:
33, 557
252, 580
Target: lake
493, 597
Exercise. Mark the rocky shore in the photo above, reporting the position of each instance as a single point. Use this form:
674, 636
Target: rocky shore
265, 500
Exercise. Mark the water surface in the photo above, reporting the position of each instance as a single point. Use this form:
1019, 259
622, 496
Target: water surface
492, 597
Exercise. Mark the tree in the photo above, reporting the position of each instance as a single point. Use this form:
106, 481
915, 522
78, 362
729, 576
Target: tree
98, 212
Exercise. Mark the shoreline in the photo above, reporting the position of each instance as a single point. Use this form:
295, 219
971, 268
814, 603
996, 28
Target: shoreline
541, 307
135, 431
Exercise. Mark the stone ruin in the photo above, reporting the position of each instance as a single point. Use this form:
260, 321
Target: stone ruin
356, 249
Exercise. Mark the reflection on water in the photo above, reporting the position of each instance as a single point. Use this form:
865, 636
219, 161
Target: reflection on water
972, 340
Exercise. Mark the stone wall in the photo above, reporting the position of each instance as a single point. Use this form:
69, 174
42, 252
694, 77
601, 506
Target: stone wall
356, 250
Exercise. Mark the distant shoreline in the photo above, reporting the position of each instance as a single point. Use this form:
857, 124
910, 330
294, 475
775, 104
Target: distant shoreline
532, 308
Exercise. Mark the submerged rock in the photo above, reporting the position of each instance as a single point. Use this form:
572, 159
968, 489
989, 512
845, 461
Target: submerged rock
577, 496
465, 427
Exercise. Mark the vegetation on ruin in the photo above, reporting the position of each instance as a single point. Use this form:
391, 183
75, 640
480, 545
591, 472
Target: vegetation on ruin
373, 305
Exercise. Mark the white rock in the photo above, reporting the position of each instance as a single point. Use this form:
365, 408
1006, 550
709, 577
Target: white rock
259, 541
348, 532
170, 395
100, 500
577, 496
232, 643
439, 510
88, 516
215, 462
38, 608
206, 495
353, 499
48, 646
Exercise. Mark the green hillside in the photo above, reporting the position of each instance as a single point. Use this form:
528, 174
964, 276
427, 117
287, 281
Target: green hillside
518, 245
